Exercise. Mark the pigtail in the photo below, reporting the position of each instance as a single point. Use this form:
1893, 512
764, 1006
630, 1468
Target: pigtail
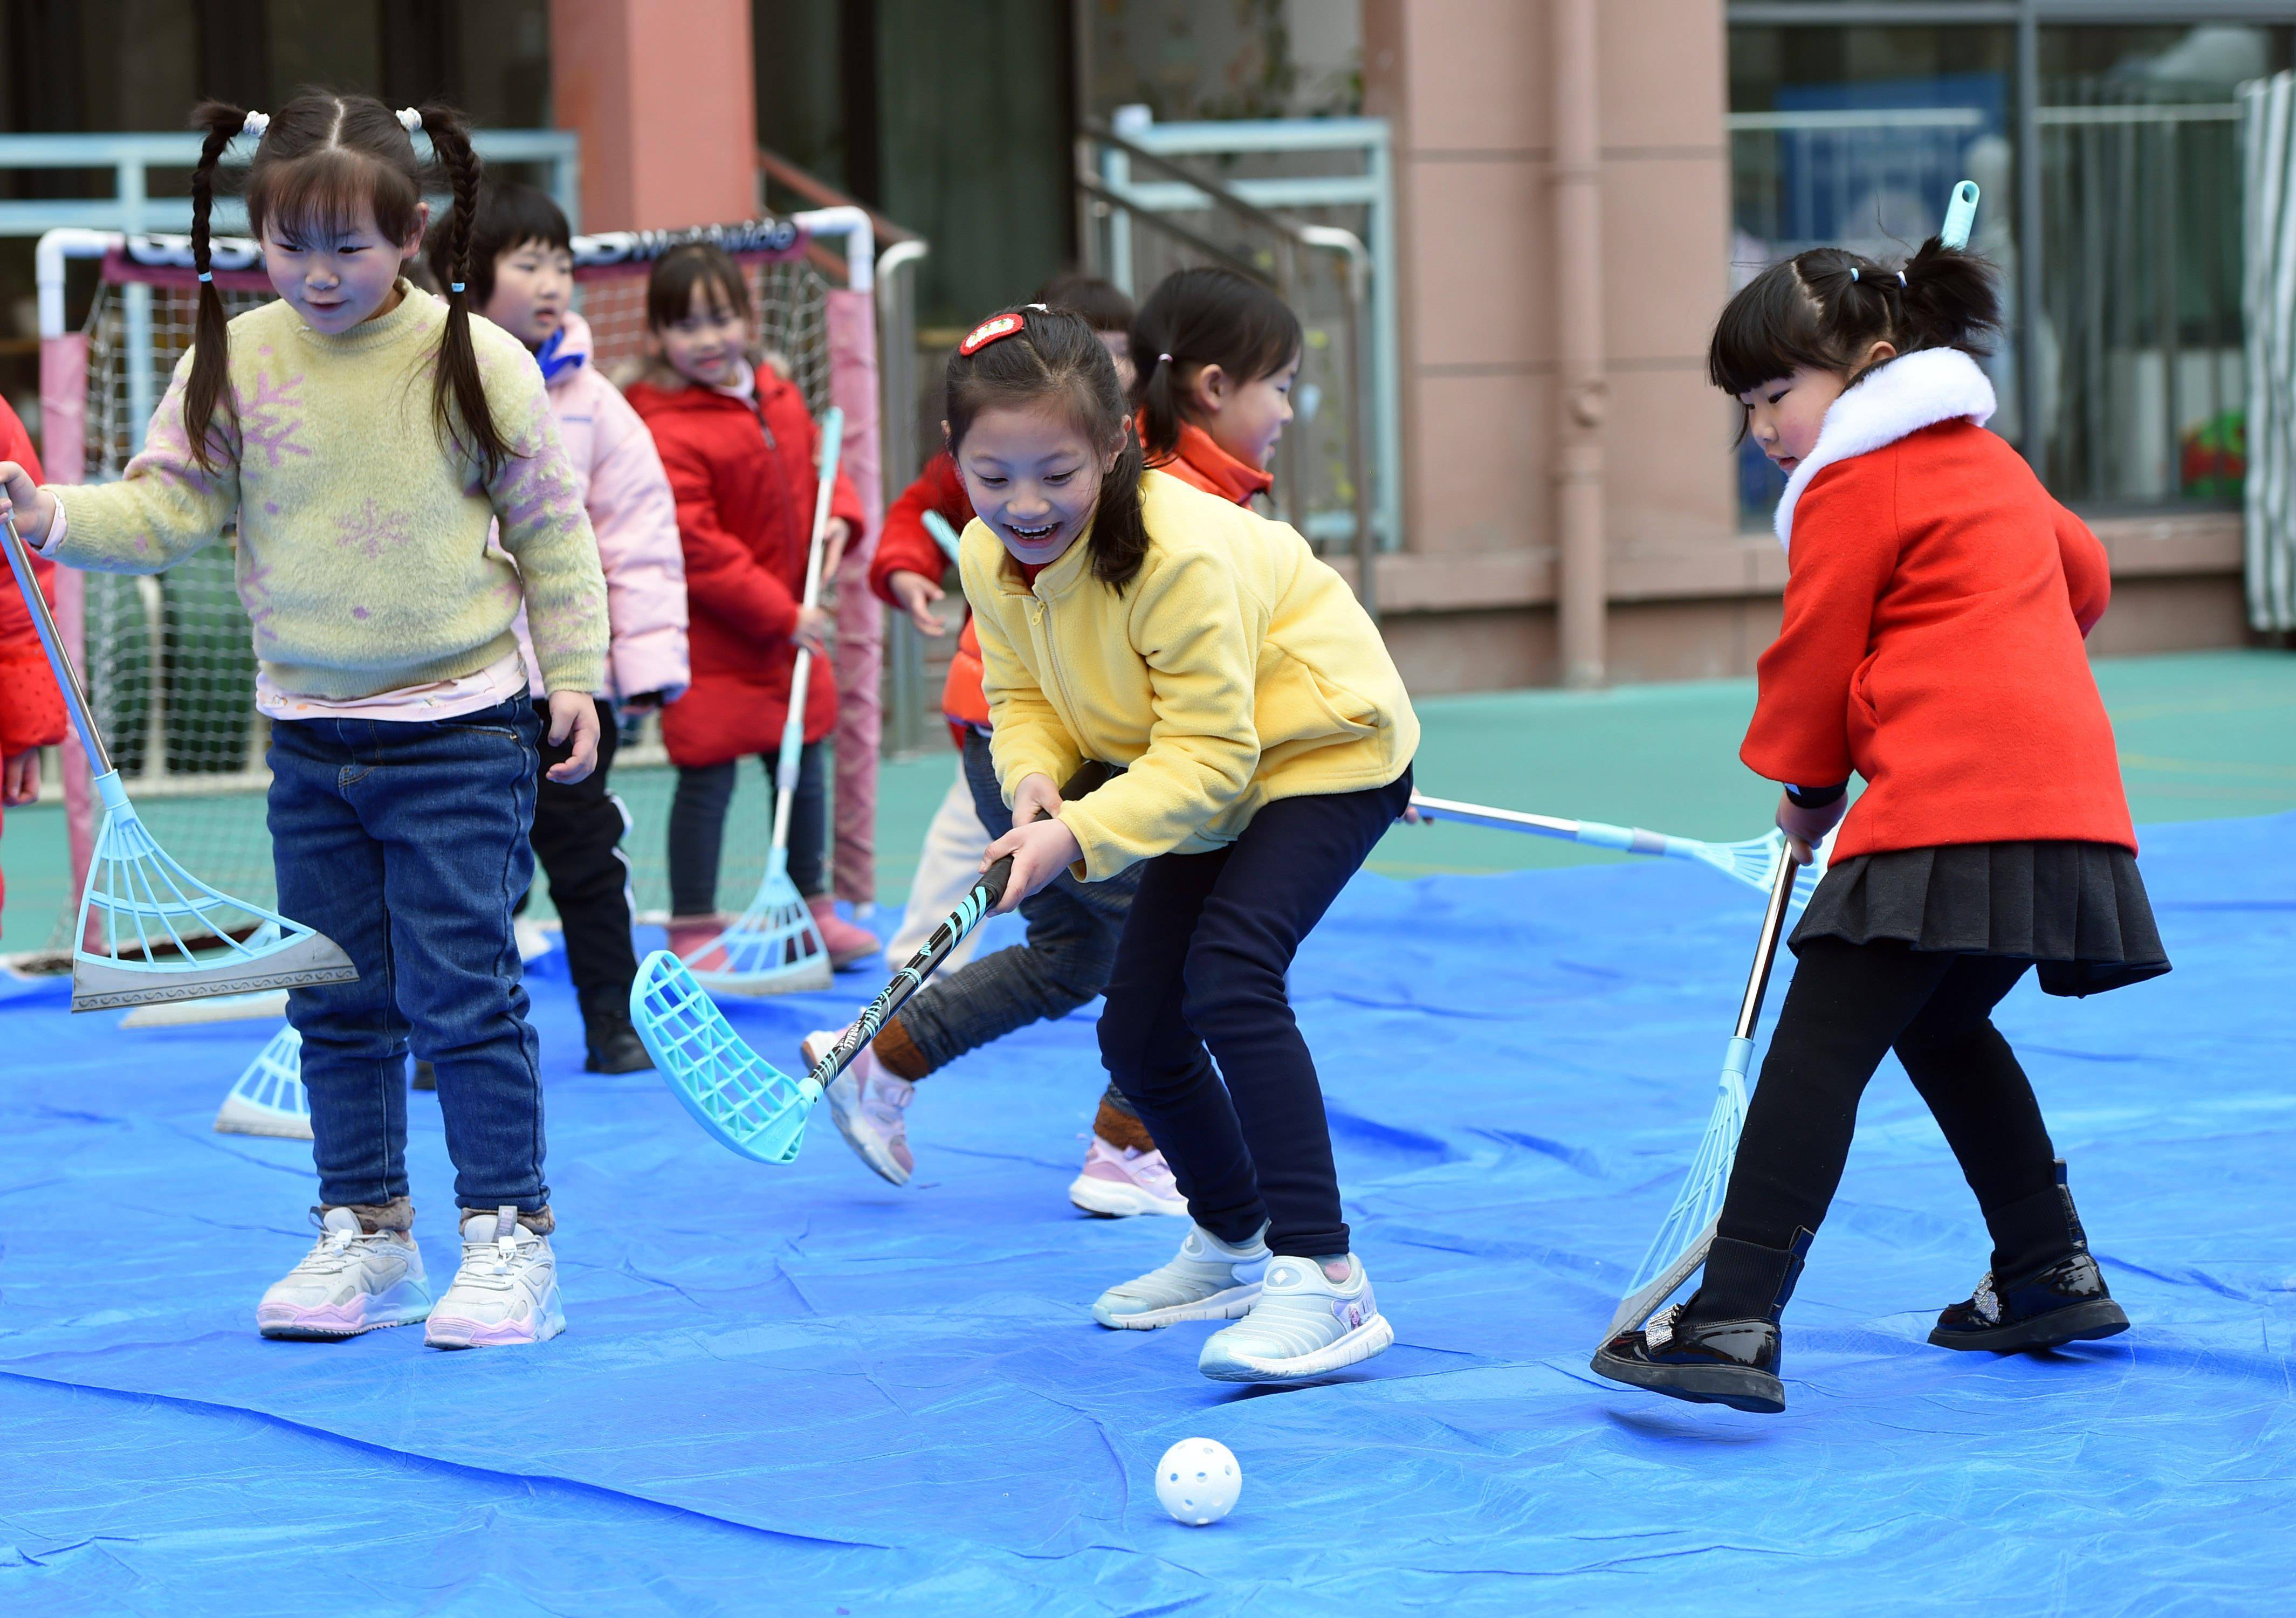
1951, 299
211, 332
1157, 394
1119, 528
459, 390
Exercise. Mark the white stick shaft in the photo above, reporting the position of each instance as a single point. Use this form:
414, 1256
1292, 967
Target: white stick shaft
785, 770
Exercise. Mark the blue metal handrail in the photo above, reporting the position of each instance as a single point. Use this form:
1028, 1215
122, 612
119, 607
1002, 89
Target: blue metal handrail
132, 156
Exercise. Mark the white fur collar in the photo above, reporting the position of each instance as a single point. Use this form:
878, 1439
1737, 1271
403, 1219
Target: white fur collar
1916, 390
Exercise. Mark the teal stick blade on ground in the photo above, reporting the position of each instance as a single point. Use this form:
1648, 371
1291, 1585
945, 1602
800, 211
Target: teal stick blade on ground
165, 935
1681, 1244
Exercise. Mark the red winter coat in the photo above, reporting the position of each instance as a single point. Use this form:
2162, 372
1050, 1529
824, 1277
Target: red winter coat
32, 707
906, 547
744, 475
1935, 608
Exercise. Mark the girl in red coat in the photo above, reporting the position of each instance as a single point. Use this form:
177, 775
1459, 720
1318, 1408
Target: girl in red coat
32, 707
1935, 609
743, 454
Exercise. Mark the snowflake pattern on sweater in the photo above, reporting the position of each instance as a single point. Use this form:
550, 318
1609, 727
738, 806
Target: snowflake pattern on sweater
362, 556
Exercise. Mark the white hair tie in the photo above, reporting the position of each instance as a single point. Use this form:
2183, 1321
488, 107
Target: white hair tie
254, 124
410, 119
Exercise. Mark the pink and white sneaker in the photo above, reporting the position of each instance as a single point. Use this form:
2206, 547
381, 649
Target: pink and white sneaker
1118, 1181
349, 1282
867, 1104
507, 1291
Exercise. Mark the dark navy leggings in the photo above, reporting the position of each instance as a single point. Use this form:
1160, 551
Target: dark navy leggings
1199, 977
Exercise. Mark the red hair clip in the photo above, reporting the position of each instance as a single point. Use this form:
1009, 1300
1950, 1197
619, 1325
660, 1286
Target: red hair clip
988, 330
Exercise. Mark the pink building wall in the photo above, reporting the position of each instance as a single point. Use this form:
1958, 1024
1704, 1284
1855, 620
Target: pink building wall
663, 94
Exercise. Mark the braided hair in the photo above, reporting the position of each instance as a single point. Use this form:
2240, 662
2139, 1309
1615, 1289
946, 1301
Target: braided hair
321, 161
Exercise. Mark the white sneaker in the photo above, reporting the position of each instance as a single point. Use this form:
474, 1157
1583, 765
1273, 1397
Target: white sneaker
348, 1283
1207, 1280
1305, 1324
1119, 1181
866, 1104
507, 1291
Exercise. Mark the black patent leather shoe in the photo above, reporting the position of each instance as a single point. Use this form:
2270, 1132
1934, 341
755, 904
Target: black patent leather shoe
2062, 1301
614, 1047
1732, 1362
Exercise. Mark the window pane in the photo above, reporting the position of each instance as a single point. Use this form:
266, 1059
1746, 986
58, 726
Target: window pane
2140, 340
1853, 137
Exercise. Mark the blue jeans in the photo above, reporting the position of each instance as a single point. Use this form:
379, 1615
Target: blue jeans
406, 843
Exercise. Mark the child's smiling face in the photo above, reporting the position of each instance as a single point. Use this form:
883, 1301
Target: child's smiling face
709, 343
1034, 477
335, 276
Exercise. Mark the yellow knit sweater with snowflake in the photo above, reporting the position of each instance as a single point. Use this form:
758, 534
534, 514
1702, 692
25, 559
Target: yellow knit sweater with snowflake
364, 560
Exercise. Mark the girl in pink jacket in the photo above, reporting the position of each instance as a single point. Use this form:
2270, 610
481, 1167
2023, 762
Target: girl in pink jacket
521, 278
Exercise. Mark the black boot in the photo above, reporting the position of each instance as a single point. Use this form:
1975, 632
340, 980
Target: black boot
2043, 1289
1722, 1347
614, 1046
426, 1076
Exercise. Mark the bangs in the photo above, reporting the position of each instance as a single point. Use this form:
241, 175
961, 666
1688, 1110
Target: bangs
330, 192
698, 267
1772, 326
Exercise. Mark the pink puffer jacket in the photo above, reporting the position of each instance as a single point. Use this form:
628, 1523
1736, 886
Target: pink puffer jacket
634, 515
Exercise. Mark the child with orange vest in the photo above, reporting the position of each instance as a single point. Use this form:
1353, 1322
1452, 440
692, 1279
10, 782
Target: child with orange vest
1220, 351
1936, 604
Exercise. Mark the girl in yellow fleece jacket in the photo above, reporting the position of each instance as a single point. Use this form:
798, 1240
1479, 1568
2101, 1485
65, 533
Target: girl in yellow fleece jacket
1264, 742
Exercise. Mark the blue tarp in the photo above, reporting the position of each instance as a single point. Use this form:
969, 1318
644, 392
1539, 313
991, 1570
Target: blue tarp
803, 1391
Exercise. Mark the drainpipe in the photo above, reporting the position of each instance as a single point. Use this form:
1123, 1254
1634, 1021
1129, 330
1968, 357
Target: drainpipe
1581, 590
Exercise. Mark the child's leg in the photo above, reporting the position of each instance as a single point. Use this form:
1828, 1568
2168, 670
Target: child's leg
1847, 1005
452, 802
697, 835
1205, 953
1966, 1073
578, 837
330, 877
808, 832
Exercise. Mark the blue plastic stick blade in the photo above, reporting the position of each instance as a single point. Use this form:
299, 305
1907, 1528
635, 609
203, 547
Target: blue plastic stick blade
1960, 214
746, 1103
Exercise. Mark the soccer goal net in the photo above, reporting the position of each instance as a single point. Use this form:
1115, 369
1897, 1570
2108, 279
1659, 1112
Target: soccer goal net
169, 658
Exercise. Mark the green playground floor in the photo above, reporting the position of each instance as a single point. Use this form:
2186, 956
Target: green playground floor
2202, 735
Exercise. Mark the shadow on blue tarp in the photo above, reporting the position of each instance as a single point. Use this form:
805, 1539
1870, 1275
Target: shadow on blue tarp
803, 1391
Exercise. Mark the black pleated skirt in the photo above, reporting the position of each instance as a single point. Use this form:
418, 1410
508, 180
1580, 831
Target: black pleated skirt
2077, 910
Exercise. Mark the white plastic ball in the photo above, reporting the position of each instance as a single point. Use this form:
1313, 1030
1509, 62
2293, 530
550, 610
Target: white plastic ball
1198, 1480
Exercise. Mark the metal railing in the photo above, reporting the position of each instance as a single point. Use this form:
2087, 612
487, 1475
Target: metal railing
1122, 200
130, 158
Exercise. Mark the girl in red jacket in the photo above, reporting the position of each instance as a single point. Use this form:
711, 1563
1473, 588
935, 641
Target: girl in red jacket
1224, 349
32, 707
1935, 609
743, 454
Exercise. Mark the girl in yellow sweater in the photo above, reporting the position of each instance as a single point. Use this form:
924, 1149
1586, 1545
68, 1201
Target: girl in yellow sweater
1264, 742
365, 438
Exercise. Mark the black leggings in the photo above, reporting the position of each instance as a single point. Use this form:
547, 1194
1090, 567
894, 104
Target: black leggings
1202, 963
1851, 1004
697, 829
